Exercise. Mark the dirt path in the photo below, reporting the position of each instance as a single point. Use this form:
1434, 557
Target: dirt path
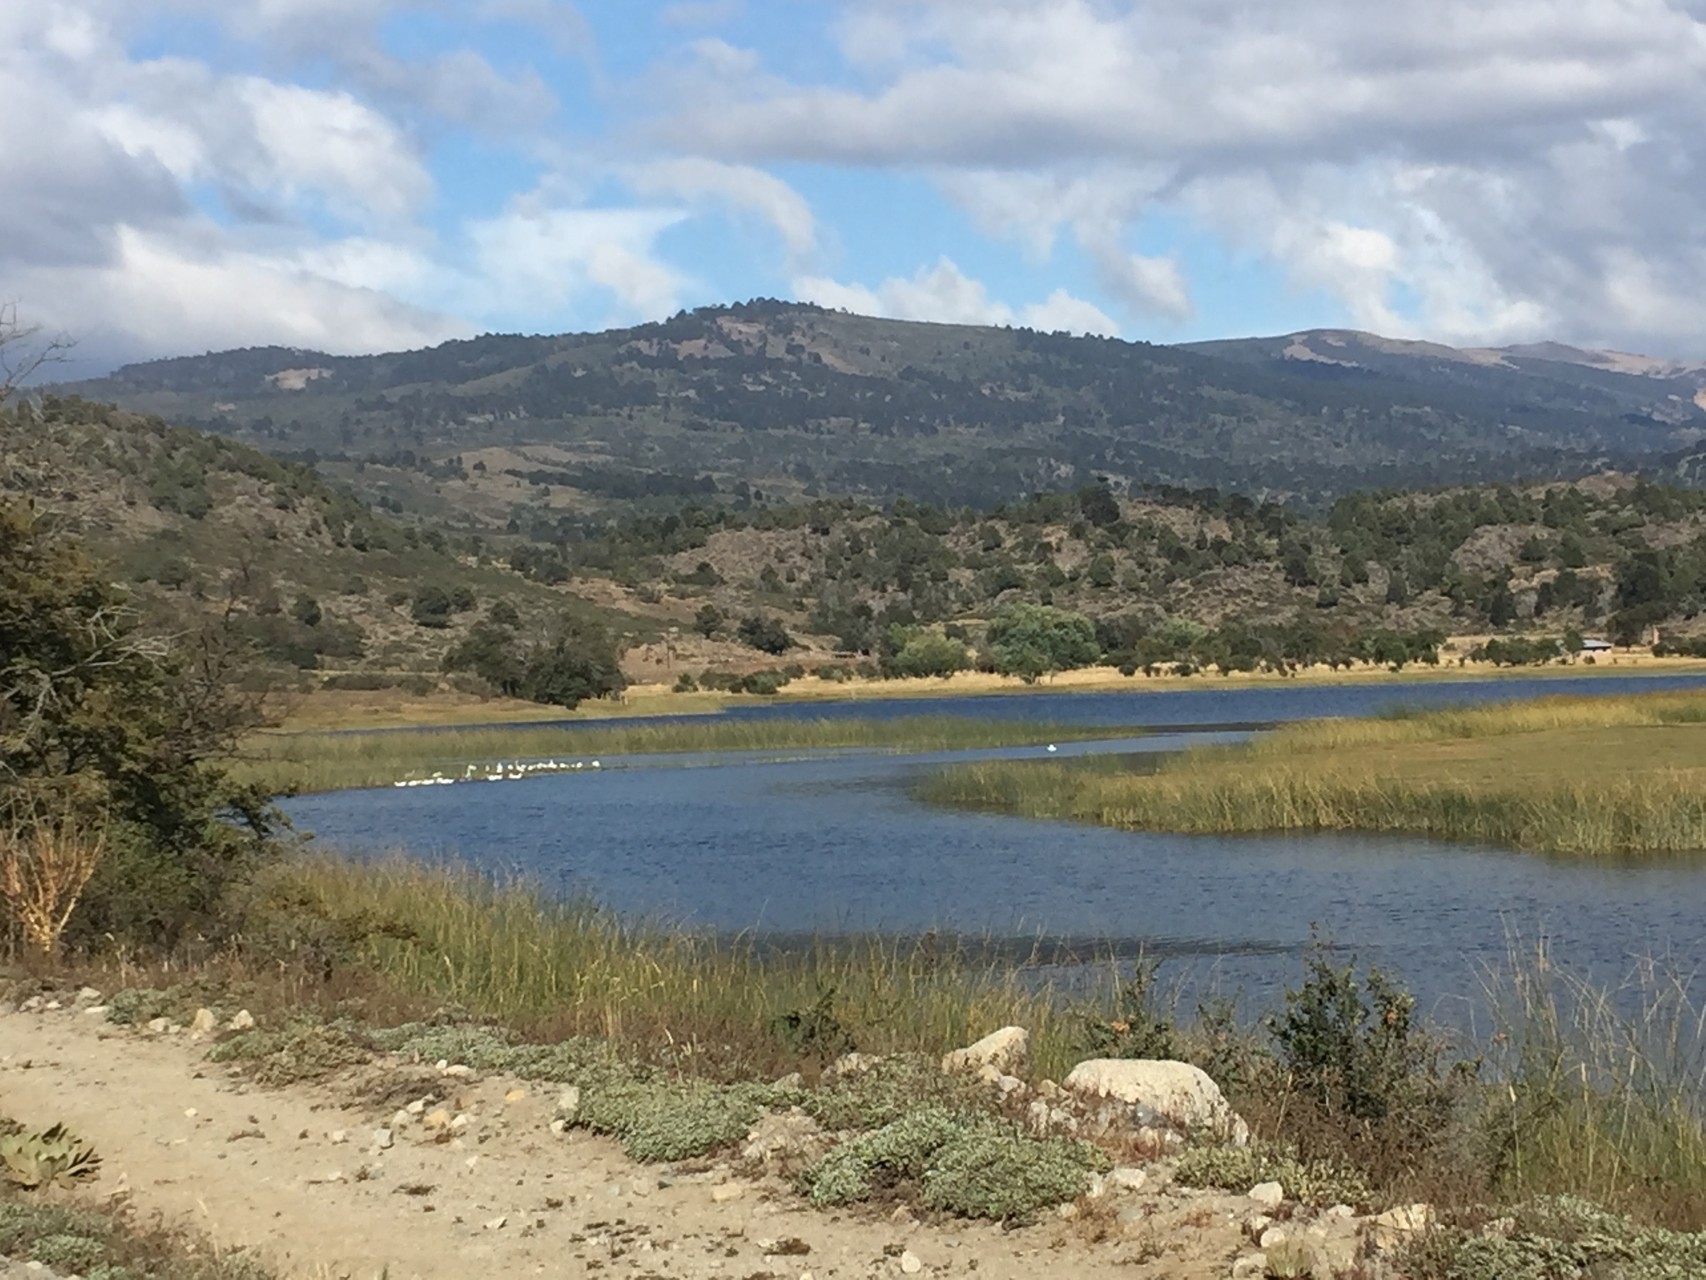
269, 1170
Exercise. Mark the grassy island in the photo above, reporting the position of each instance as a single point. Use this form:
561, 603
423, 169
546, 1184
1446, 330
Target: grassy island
325, 761
1590, 777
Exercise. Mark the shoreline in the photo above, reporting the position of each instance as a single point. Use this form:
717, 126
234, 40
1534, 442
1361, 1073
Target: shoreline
392, 710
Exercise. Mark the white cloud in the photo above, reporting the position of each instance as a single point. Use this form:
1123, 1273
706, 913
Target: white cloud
535, 259
943, 294
737, 186
164, 295
1444, 165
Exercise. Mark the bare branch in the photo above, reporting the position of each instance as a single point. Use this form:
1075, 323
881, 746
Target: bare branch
23, 351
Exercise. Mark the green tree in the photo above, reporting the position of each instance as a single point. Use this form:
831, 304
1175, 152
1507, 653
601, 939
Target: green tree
708, 621
114, 728
431, 606
764, 634
1032, 640
307, 611
927, 653
579, 660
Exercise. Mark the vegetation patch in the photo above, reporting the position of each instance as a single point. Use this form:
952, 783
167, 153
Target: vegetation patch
1561, 1238
1587, 777
1320, 1182
659, 1121
305, 1051
965, 1163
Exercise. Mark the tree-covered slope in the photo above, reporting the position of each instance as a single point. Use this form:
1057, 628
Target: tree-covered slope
796, 400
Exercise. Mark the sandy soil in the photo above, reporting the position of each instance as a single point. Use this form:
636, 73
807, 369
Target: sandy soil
269, 1170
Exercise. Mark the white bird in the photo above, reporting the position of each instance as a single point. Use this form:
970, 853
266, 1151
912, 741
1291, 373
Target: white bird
1052, 748
596, 765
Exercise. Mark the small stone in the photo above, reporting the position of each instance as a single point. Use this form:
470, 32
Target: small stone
1095, 1186
438, 1118
31, 1005
242, 1020
416, 1107
910, 1263
1251, 1266
642, 1186
204, 1023
724, 1192
1339, 1211
97, 1011
337, 1137
496, 1224
559, 1126
384, 1139
459, 1071
460, 1123
159, 1026
189, 1113
88, 995
1272, 1238
1067, 1211
569, 1100
514, 1096
1270, 1195
402, 1119
53, 1004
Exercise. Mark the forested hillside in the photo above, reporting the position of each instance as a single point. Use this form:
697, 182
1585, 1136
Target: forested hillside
202, 530
796, 401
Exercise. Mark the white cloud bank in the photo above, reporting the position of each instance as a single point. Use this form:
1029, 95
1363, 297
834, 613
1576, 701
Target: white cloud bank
946, 295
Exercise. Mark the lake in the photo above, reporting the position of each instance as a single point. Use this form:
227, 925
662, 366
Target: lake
831, 843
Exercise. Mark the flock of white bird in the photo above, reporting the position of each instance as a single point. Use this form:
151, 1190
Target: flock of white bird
502, 772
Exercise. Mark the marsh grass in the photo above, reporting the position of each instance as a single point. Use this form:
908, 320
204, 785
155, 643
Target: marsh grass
1586, 777
322, 761
568, 968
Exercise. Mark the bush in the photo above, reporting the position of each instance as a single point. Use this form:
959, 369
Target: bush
658, 1122
1320, 1182
1358, 1055
764, 634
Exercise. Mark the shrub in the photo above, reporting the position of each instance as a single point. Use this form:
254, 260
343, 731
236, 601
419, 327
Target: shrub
658, 1121
1134, 1029
764, 634
1319, 1182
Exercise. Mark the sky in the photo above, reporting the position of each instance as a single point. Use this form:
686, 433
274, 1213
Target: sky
350, 176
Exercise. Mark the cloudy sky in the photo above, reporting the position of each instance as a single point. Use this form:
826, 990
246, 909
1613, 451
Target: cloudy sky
358, 175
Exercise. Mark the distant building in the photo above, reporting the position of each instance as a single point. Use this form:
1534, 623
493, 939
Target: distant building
1596, 646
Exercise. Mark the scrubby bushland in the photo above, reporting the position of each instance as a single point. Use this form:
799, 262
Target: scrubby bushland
119, 733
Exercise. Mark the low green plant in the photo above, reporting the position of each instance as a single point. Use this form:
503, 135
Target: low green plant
1133, 1027
1321, 1182
1562, 1238
661, 1121
50, 1156
813, 1031
970, 1164
888, 1089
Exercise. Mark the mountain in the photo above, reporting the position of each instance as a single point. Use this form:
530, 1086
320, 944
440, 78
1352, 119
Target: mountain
794, 401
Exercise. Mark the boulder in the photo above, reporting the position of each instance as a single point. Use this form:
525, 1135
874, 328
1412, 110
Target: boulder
1008, 1051
1177, 1093
1397, 1227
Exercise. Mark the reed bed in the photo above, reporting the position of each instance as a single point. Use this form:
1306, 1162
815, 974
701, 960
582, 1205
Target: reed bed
1575, 777
322, 761
511, 952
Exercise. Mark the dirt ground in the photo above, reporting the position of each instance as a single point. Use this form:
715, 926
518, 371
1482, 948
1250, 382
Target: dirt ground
297, 1176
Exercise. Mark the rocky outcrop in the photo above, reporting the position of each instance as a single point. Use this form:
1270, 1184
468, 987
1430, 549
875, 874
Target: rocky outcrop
1160, 1094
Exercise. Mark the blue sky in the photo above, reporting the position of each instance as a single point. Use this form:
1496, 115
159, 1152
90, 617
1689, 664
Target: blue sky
357, 175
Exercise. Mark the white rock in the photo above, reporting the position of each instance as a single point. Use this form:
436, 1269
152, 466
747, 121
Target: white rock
204, 1023
724, 1192
785, 1142
497, 1223
242, 1020
910, 1263
384, 1139
402, 1119
417, 1107
569, 1100
1179, 1092
1007, 1050
1128, 1177
459, 1071
1270, 1195
1250, 1267
159, 1026
1396, 1227
337, 1137
559, 1126
97, 1011
642, 1186
1273, 1237
88, 995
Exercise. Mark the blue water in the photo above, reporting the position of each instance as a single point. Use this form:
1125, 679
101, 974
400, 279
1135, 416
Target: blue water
834, 842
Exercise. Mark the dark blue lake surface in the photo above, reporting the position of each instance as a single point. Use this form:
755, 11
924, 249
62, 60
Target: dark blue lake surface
835, 843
